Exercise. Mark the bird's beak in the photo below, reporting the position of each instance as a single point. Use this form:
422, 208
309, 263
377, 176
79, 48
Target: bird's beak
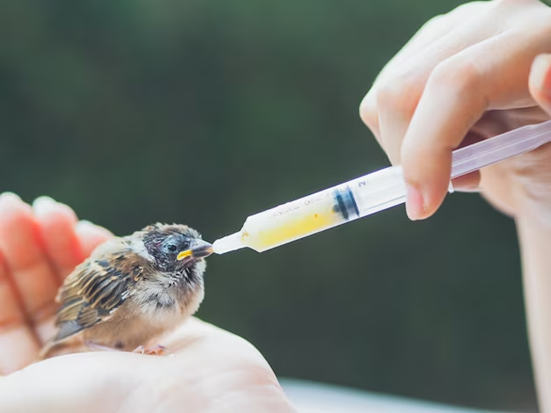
199, 249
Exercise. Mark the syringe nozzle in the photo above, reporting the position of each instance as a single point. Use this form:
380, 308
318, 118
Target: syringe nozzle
230, 243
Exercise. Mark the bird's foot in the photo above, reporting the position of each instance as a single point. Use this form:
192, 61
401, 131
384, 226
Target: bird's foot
156, 350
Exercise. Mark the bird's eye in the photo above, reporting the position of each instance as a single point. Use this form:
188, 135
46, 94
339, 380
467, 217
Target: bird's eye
172, 247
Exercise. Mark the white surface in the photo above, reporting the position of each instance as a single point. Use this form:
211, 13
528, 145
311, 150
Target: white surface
310, 397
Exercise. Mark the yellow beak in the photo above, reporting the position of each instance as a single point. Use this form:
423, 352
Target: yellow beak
199, 249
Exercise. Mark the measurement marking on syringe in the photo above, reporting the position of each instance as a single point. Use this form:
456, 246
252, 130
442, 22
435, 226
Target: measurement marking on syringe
294, 206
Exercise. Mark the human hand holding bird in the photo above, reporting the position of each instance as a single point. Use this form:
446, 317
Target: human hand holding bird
210, 371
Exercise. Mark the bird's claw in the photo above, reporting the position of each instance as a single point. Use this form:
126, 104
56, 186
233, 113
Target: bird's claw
156, 350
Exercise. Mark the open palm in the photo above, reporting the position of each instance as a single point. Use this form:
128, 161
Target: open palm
208, 369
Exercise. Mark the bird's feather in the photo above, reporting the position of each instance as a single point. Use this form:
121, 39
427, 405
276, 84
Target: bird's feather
97, 288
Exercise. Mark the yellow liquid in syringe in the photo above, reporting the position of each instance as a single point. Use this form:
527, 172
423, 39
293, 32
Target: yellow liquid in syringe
285, 223
287, 229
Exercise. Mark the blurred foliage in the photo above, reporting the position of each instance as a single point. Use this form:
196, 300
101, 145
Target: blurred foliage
204, 112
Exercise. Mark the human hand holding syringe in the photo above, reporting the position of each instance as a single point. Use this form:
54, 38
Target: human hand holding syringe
479, 71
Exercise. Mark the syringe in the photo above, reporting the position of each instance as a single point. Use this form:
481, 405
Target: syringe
368, 194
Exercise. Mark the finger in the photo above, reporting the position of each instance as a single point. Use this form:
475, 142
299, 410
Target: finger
57, 229
540, 81
368, 107
30, 271
399, 94
459, 90
432, 30
467, 183
18, 344
91, 235
409, 56
396, 106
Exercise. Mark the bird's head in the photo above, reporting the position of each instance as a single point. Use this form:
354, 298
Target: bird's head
176, 248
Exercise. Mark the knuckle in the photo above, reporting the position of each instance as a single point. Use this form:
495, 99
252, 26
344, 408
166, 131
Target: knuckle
457, 76
434, 23
369, 113
399, 94
470, 9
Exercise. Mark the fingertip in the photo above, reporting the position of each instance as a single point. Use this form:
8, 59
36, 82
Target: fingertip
415, 204
45, 207
540, 81
11, 201
43, 203
427, 177
14, 212
91, 235
57, 229
422, 204
9, 195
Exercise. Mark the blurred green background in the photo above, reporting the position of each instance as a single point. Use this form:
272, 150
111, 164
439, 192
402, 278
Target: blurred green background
204, 112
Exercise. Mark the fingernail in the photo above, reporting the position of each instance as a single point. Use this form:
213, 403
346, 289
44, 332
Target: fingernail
541, 75
43, 205
415, 205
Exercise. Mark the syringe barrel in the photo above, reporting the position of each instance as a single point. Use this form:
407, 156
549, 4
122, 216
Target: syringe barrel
325, 209
377, 191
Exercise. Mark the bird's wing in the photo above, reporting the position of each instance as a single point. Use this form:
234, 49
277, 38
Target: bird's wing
97, 287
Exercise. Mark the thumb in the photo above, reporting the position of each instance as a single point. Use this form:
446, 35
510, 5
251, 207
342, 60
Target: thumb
539, 82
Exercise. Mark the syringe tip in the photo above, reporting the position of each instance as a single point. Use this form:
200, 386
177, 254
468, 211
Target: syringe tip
230, 243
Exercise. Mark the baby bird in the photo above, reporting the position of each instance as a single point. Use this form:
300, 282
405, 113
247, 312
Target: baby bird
132, 289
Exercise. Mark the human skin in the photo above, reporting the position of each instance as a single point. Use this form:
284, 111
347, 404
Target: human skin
479, 71
208, 369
